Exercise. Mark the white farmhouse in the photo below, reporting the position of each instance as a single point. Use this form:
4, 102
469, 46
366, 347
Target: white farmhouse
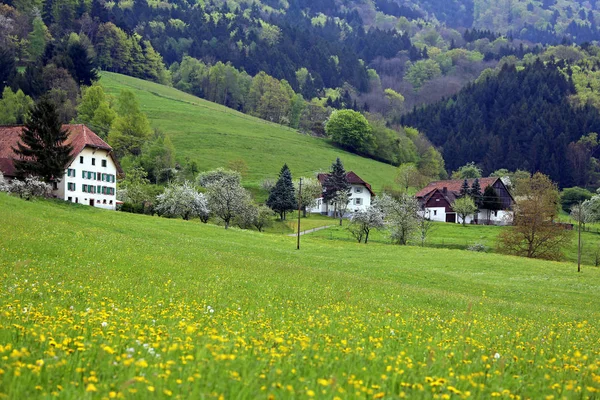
91, 176
360, 197
436, 200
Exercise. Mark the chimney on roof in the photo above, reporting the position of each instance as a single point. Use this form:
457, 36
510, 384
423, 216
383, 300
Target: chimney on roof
444, 190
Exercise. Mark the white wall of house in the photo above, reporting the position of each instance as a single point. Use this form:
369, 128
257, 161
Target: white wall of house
502, 217
436, 213
103, 186
360, 200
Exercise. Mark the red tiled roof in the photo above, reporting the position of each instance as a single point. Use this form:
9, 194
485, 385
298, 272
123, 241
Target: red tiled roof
454, 185
80, 137
352, 179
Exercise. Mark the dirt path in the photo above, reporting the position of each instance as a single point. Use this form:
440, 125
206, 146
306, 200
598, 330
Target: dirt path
311, 230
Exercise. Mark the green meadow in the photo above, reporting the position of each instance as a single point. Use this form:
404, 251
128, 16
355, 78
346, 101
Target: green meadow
456, 236
99, 304
214, 135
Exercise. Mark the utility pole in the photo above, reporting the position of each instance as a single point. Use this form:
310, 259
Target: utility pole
299, 204
579, 239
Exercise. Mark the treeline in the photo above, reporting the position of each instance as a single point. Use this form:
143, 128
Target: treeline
262, 95
279, 44
40, 54
515, 119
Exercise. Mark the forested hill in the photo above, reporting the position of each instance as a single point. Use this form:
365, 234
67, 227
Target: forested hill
294, 62
518, 119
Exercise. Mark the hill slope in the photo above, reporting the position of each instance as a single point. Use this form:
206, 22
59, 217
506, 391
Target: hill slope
519, 119
213, 135
99, 302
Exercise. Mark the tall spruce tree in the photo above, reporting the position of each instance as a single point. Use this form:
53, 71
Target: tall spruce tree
42, 147
475, 193
336, 187
464, 189
83, 68
282, 197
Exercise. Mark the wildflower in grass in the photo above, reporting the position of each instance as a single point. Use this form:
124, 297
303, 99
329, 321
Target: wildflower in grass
91, 388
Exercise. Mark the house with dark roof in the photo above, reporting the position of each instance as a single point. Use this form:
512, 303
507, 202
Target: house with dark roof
91, 175
436, 202
361, 195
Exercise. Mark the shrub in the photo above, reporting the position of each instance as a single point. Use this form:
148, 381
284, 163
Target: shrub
479, 247
3, 184
31, 187
132, 208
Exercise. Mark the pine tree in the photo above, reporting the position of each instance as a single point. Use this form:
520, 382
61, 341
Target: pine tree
464, 189
475, 193
83, 69
336, 187
42, 148
282, 197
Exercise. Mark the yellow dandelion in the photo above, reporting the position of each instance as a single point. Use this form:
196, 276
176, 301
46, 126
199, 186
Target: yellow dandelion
91, 388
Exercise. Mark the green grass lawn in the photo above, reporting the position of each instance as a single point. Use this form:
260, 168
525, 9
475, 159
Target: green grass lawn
455, 236
214, 135
311, 221
99, 304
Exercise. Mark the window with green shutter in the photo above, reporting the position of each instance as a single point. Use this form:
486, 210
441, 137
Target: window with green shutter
83, 174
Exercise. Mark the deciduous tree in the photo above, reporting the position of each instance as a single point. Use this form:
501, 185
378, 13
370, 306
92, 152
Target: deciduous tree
311, 190
182, 201
464, 207
96, 111
402, 216
350, 129
363, 222
14, 107
407, 176
131, 128
535, 233
467, 171
226, 196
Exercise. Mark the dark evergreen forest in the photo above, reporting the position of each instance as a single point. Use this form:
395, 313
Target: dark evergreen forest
515, 120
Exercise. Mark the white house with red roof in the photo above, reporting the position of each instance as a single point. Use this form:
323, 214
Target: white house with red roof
91, 176
436, 201
361, 195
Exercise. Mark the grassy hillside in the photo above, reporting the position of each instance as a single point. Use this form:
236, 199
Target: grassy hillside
214, 135
103, 304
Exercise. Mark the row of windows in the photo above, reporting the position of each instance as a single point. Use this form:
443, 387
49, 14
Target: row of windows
98, 189
93, 161
98, 201
97, 176
92, 189
356, 202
